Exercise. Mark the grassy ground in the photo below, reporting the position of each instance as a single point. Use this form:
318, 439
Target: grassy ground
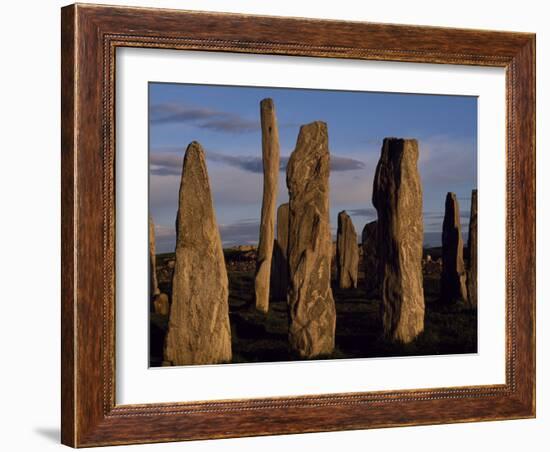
257, 337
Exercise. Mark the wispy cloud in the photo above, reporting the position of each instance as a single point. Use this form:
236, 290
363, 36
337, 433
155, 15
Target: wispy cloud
204, 118
368, 212
242, 232
169, 163
440, 215
446, 161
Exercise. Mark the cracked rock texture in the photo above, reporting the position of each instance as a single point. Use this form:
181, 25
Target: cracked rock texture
279, 273
312, 313
453, 273
270, 158
347, 252
397, 196
198, 327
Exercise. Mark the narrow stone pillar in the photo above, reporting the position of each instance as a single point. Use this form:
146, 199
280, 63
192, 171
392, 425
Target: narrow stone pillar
279, 273
472, 252
397, 196
270, 158
347, 252
310, 301
198, 329
453, 273
371, 268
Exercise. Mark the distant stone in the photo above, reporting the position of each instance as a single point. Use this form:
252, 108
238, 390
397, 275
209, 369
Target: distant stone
397, 196
244, 248
161, 304
310, 301
369, 239
153, 282
270, 159
472, 252
347, 252
453, 273
279, 273
198, 329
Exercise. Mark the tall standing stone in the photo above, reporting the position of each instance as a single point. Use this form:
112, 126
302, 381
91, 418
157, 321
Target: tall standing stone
369, 242
347, 252
397, 196
270, 158
153, 282
453, 273
198, 329
279, 272
472, 252
310, 301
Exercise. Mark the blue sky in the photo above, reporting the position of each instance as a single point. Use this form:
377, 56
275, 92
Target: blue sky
225, 120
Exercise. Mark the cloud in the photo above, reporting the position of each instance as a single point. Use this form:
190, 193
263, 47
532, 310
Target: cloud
440, 215
368, 212
445, 161
205, 118
169, 163
165, 164
243, 232
345, 164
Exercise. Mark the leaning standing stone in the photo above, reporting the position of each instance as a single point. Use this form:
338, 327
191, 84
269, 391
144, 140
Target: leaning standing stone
397, 196
311, 304
279, 272
347, 252
198, 329
370, 259
270, 157
453, 273
472, 251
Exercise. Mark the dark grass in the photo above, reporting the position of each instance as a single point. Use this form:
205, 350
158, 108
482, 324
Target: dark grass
257, 337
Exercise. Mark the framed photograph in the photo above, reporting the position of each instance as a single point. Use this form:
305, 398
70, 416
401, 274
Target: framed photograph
282, 225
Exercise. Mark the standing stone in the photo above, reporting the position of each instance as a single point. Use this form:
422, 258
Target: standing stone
472, 252
279, 272
397, 196
153, 282
161, 304
311, 304
370, 259
347, 252
270, 157
198, 329
453, 273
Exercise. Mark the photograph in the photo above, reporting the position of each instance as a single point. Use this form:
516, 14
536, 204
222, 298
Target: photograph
290, 224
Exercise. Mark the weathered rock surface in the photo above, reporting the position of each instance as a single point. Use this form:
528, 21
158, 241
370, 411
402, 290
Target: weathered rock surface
270, 158
161, 304
311, 303
153, 282
279, 273
369, 241
453, 273
397, 196
472, 252
347, 252
198, 329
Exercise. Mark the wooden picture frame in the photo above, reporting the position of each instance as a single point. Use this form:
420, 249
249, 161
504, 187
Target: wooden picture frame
90, 36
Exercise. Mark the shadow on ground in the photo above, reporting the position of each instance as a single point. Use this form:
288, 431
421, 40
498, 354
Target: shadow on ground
257, 337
